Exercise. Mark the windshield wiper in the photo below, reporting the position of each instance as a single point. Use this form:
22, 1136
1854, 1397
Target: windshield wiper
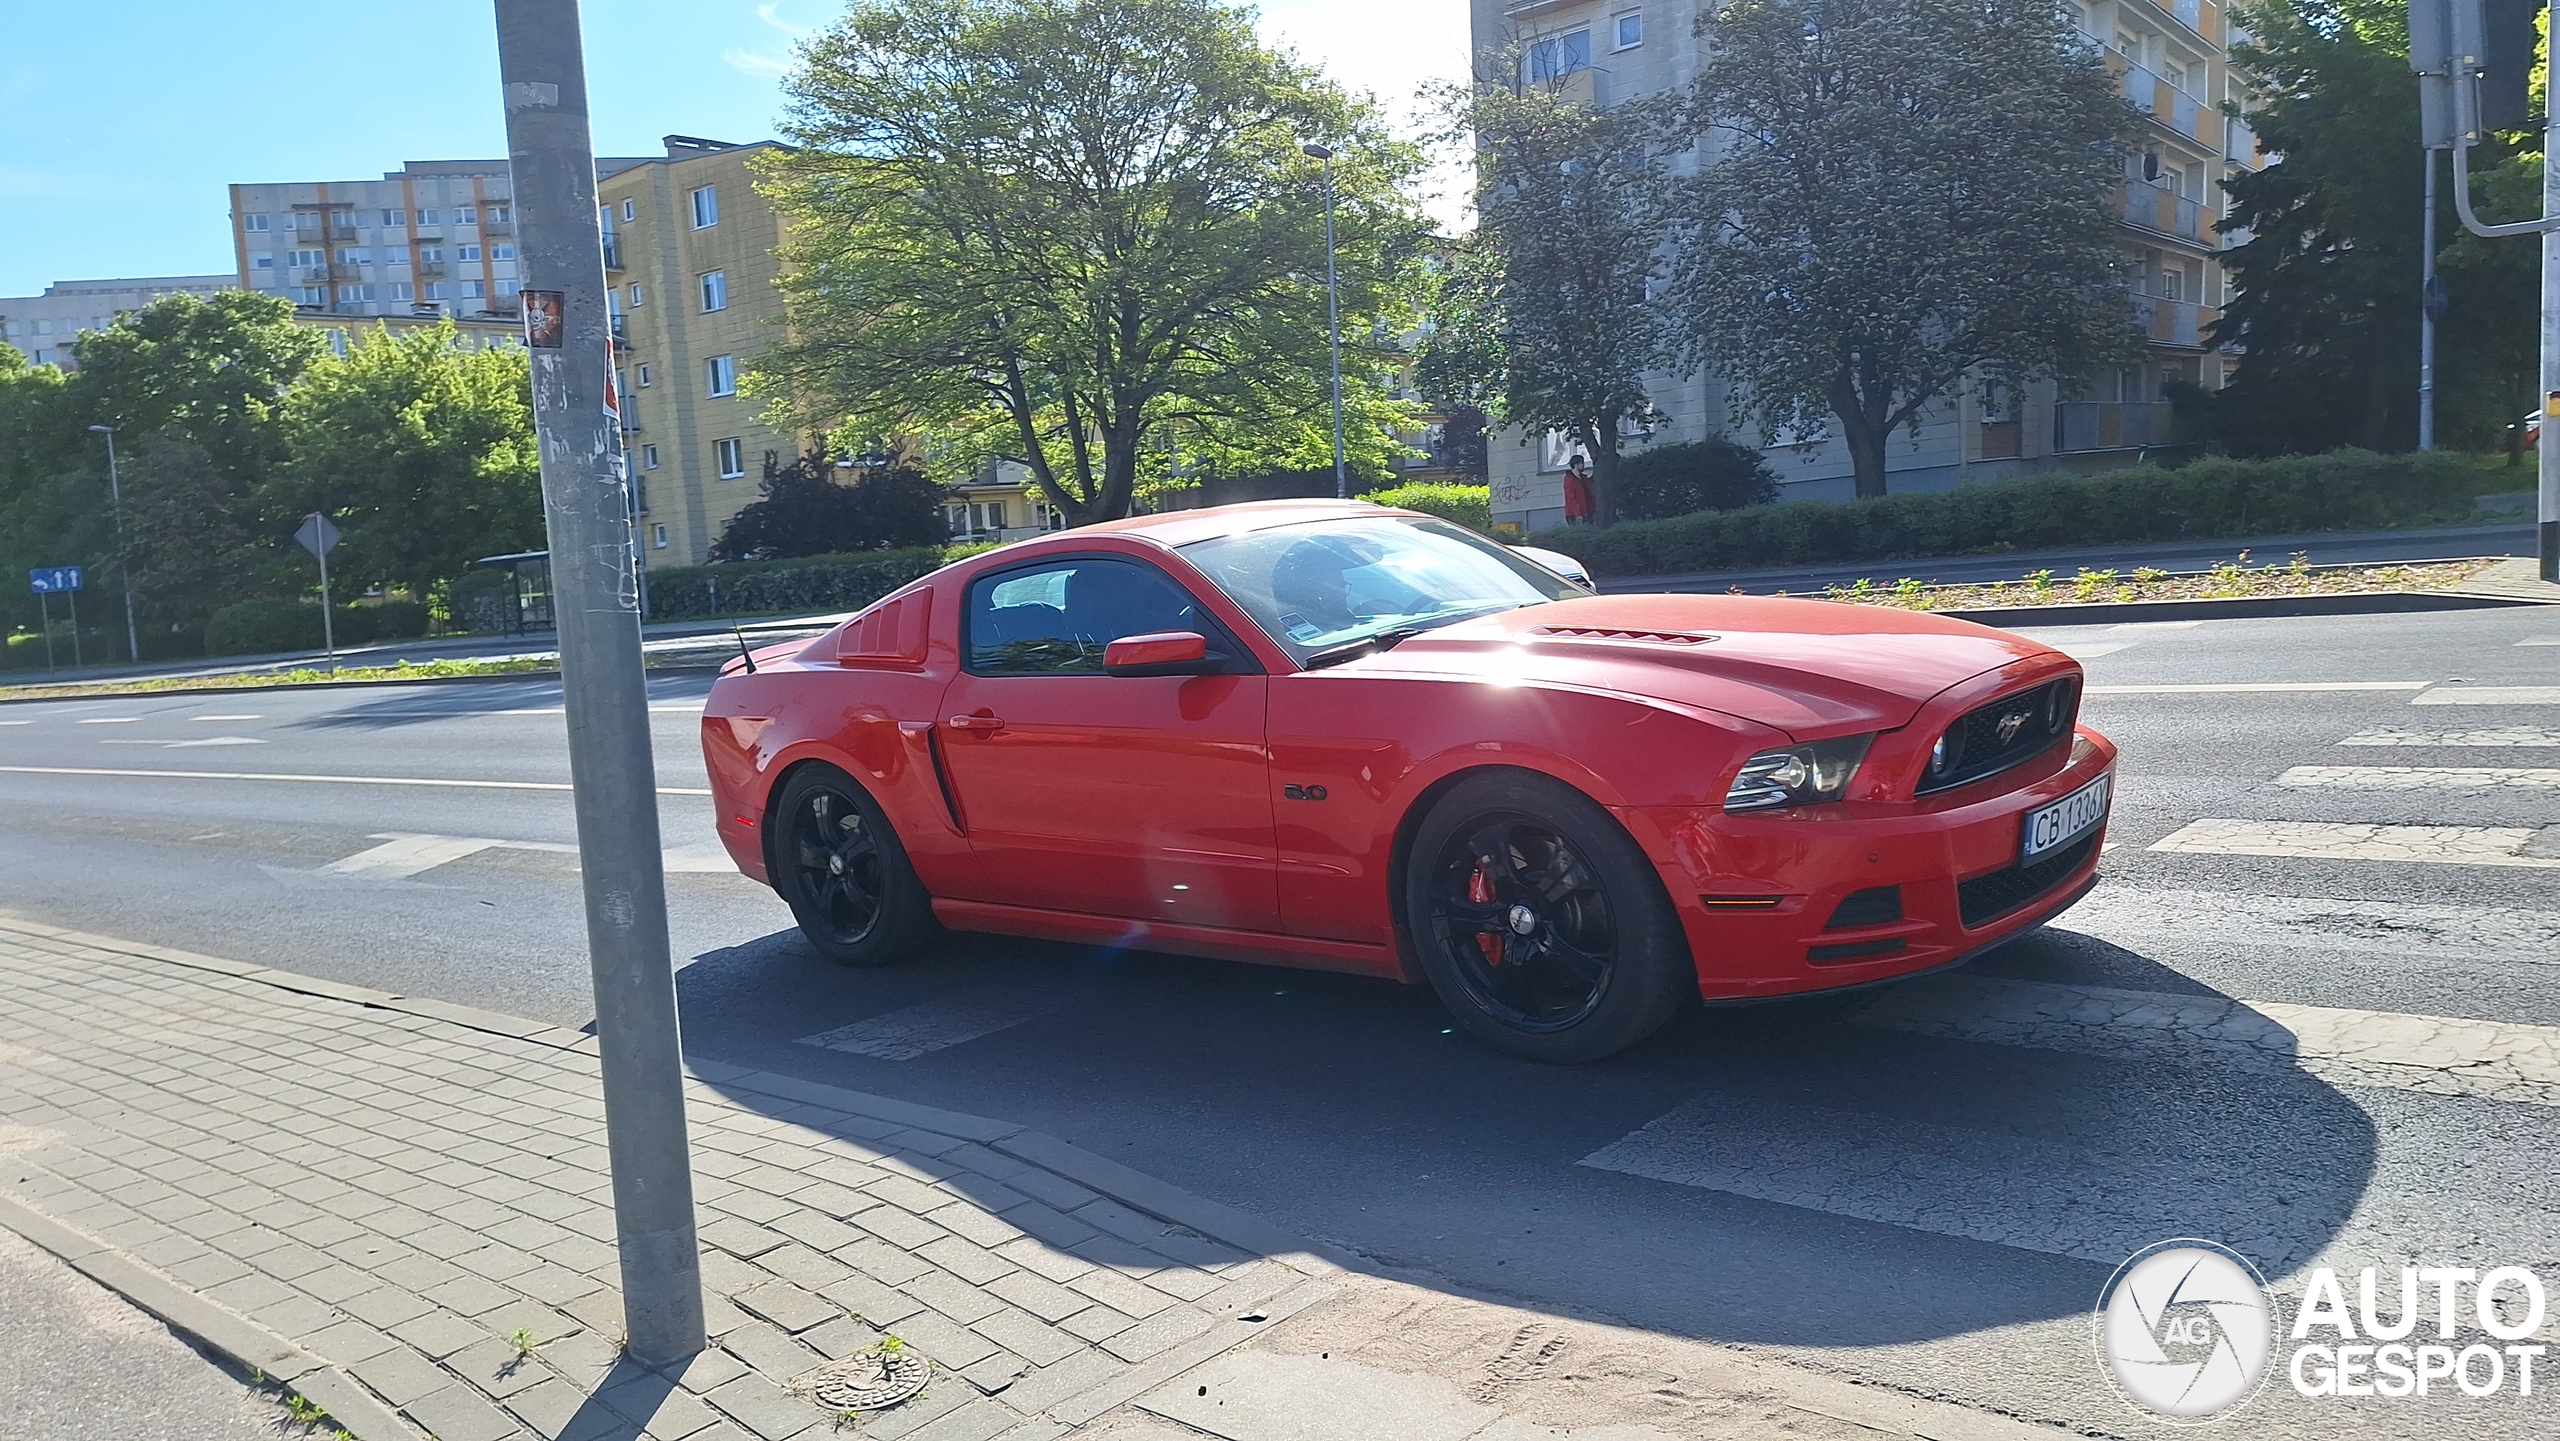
1365, 645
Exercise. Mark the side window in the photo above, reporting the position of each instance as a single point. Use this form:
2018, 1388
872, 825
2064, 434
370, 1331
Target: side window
1057, 619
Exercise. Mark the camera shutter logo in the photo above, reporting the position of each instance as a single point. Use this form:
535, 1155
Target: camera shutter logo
2185, 1330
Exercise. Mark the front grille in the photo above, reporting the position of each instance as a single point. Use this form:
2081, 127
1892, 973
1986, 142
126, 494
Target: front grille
1975, 747
1987, 898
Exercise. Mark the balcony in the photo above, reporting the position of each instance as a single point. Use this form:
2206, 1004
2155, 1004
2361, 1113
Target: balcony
2110, 424
613, 252
2239, 142
2155, 207
2151, 93
2171, 322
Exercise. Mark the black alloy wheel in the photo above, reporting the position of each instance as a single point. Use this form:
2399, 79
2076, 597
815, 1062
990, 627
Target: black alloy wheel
1540, 922
1526, 923
837, 861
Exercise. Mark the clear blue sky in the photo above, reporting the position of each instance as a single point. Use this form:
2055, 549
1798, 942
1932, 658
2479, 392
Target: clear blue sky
129, 117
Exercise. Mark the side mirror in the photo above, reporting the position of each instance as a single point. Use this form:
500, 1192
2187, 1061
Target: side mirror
1164, 652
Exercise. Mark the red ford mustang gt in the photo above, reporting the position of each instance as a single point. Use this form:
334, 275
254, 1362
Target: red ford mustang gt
1333, 735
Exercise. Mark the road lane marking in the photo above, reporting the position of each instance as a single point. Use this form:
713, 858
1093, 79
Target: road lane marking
2437, 1055
2482, 736
406, 856
16, 723
2491, 695
224, 717
2423, 778
476, 714
929, 1026
2324, 840
2089, 650
2261, 687
181, 745
2227, 923
337, 780
108, 720
2540, 640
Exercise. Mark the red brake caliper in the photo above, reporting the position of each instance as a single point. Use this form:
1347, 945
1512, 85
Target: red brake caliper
1480, 891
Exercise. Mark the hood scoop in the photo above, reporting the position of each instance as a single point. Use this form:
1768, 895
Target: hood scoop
1645, 637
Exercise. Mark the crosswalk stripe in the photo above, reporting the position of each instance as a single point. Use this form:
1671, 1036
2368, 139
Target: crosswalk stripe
2423, 778
404, 854
2438, 1055
929, 1026
2540, 640
2152, 920
2323, 840
2260, 687
2490, 695
2483, 736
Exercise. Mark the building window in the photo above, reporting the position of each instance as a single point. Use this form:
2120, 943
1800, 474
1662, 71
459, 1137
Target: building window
253, 222
349, 255
465, 215
474, 290
395, 256
401, 290
507, 289
658, 536
395, 217
644, 375
634, 296
1555, 58
629, 210
466, 252
502, 252
706, 207
733, 458
499, 214
720, 375
648, 457
354, 294
431, 254
430, 217
715, 290
1629, 29
262, 260
435, 290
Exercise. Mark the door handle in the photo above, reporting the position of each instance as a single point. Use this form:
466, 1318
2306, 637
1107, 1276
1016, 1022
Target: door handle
981, 724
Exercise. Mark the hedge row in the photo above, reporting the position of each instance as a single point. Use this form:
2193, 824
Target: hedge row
2216, 497
261, 627
1467, 505
817, 582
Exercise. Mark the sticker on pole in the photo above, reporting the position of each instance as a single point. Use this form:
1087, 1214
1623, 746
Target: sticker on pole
545, 316
317, 535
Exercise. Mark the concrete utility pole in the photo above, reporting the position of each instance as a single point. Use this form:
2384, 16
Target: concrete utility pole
2428, 304
596, 603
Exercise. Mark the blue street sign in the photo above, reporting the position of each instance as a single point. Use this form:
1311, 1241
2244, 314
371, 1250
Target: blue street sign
46, 579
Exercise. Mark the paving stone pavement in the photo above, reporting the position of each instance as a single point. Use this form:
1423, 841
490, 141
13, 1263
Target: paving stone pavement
400, 1209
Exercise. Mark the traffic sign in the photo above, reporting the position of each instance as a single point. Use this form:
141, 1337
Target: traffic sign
49, 579
317, 535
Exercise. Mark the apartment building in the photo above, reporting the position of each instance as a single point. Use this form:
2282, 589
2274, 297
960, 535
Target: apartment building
435, 237
2169, 59
690, 253
46, 328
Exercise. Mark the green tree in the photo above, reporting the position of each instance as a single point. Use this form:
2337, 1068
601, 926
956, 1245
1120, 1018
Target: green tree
1901, 194
814, 506
2325, 311
421, 451
1546, 319
1080, 233
40, 444
191, 547
212, 372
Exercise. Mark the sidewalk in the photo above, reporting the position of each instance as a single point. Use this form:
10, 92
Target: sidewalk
398, 1208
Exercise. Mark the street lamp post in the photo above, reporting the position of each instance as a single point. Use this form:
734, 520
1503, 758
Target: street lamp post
1333, 317
115, 496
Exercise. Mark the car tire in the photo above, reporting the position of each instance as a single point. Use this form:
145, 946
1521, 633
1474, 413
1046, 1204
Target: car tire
1540, 922
838, 862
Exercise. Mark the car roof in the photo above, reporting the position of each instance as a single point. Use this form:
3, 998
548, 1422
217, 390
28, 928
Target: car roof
1182, 527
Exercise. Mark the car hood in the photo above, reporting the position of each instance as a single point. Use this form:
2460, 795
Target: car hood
1809, 668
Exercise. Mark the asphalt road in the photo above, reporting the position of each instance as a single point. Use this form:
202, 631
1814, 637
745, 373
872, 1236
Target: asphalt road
1916, 1187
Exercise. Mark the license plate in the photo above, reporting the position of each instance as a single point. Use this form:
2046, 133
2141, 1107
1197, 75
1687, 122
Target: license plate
2065, 821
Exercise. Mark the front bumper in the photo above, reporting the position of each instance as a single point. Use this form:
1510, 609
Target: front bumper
1826, 897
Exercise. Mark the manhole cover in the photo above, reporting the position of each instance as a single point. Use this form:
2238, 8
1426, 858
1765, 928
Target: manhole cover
865, 1381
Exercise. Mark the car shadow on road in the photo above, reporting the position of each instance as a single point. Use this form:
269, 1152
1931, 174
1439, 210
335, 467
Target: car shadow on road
1784, 1174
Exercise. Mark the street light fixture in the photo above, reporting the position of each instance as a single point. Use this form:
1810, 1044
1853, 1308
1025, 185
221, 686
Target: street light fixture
115, 494
1333, 316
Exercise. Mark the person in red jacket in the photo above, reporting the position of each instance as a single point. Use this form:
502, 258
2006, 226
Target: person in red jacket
1577, 492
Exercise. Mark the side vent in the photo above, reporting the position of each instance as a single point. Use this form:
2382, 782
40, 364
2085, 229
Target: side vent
890, 633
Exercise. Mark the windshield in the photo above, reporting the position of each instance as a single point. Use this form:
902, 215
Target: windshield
1328, 584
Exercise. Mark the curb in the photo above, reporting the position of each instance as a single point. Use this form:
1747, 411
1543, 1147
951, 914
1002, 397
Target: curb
244, 1342
2271, 607
551, 674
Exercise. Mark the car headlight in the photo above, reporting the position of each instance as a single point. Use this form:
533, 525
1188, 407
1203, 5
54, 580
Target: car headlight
1797, 776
